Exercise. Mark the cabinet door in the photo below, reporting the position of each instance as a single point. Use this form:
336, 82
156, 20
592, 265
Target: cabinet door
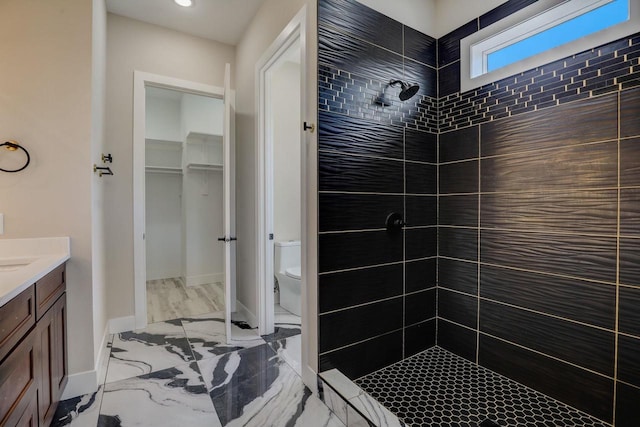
19, 381
53, 373
60, 347
30, 416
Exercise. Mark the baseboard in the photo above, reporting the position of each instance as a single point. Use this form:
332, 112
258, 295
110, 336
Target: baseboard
310, 378
87, 382
80, 384
122, 324
103, 356
252, 320
204, 279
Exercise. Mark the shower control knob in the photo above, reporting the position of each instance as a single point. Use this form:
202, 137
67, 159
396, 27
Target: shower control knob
394, 221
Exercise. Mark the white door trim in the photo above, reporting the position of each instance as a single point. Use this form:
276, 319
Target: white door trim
293, 32
140, 81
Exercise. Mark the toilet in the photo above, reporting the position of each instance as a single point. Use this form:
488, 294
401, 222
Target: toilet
287, 272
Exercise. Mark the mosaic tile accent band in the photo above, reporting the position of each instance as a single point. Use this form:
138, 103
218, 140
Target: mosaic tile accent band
609, 68
356, 96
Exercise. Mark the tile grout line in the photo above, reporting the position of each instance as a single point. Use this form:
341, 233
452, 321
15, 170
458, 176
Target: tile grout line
478, 243
616, 351
437, 275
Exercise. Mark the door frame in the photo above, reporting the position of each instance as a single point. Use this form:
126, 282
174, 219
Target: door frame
142, 80
294, 31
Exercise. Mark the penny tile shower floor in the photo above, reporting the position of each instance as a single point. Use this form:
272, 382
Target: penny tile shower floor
438, 388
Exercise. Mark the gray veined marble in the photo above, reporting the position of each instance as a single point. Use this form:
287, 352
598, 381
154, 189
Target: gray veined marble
255, 387
282, 332
159, 346
333, 400
170, 397
373, 411
79, 411
290, 350
206, 335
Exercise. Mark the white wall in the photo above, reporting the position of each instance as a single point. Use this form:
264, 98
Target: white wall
433, 17
163, 118
268, 23
265, 27
98, 101
203, 224
417, 14
451, 14
46, 104
163, 225
202, 114
134, 45
163, 192
285, 90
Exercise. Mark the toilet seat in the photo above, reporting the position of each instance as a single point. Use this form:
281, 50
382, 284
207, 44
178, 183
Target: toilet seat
293, 272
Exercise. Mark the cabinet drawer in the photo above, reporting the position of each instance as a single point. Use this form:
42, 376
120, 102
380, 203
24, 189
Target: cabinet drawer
49, 289
16, 318
18, 381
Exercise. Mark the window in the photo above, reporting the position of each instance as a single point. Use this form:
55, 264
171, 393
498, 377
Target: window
544, 32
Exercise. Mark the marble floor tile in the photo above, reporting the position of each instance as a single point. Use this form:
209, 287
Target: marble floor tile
373, 411
206, 335
225, 372
169, 299
170, 397
255, 387
339, 382
290, 350
159, 346
285, 317
79, 411
333, 400
281, 332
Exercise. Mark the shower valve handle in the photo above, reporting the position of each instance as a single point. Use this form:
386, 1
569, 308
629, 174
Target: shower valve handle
394, 221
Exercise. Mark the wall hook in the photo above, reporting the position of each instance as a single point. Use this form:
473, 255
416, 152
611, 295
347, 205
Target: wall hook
310, 127
14, 146
102, 170
107, 158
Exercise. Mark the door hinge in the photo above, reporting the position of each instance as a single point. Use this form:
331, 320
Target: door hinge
270, 236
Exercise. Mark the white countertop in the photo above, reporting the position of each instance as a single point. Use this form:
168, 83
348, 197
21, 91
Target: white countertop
41, 255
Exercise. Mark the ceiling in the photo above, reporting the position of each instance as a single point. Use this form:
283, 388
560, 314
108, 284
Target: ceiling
226, 20
221, 20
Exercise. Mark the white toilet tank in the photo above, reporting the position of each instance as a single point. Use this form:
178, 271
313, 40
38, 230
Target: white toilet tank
287, 255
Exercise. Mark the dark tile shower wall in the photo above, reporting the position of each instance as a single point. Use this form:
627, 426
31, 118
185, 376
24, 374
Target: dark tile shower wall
539, 236
377, 155
534, 186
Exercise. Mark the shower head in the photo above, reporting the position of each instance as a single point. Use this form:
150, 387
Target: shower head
407, 91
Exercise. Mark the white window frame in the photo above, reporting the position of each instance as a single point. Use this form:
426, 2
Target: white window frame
531, 20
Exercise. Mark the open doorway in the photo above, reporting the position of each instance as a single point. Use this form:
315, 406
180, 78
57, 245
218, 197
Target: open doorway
201, 153
281, 193
184, 204
283, 101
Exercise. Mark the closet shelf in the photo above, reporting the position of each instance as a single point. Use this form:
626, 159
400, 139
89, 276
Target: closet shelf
163, 169
205, 167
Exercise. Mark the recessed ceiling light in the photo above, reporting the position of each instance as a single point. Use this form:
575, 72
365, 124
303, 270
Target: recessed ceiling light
184, 3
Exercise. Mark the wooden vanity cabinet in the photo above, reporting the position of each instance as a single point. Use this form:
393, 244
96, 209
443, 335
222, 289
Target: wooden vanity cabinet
33, 353
53, 373
19, 380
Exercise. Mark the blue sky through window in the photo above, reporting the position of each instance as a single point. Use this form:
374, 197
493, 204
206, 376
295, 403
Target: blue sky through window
580, 26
